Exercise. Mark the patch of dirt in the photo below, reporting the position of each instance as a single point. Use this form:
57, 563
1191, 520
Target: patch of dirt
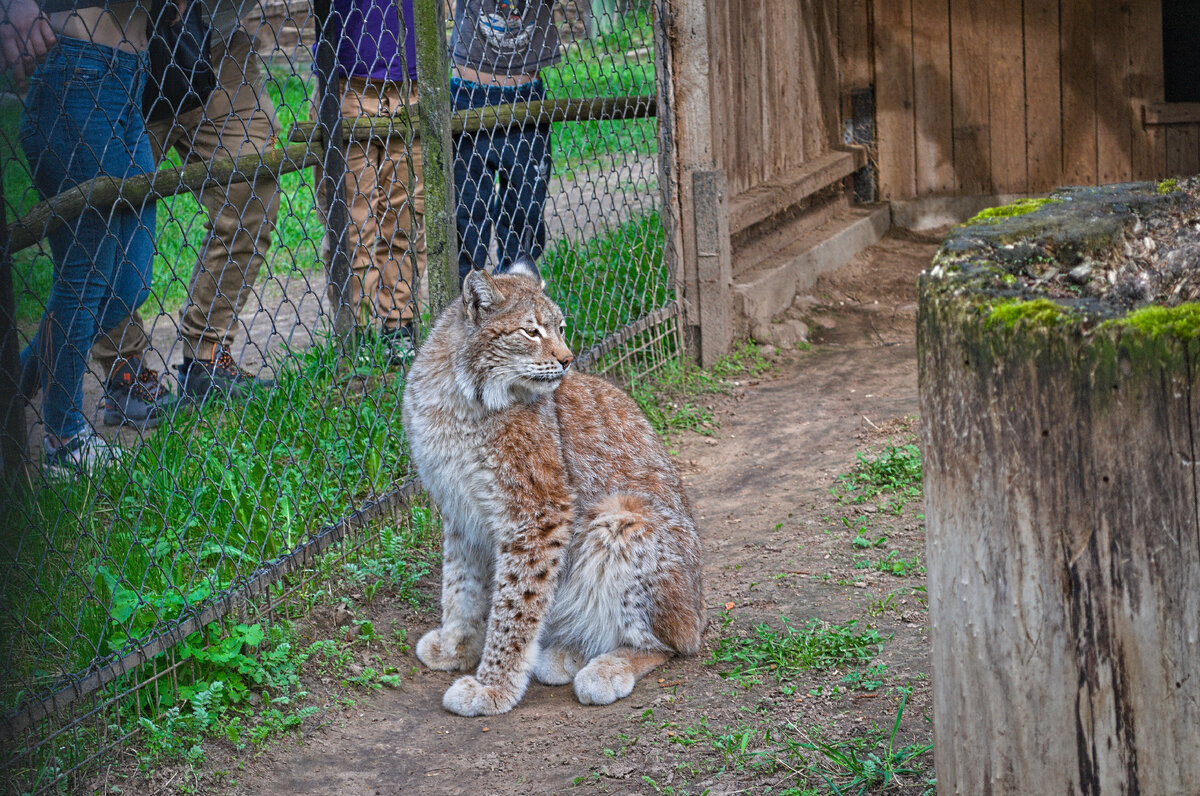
777, 544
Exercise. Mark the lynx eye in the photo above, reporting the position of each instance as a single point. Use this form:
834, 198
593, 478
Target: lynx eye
532, 333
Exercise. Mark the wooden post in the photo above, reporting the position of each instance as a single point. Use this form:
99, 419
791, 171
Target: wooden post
333, 169
714, 264
690, 110
1063, 532
437, 152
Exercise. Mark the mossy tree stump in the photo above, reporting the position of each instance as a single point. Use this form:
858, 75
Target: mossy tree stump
1060, 432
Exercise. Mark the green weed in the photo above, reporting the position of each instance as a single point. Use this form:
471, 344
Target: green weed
891, 564
895, 470
784, 654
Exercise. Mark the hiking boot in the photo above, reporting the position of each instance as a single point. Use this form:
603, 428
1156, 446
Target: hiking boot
134, 395
220, 375
399, 344
86, 453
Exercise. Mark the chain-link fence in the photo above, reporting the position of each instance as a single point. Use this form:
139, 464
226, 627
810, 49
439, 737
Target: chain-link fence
209, 299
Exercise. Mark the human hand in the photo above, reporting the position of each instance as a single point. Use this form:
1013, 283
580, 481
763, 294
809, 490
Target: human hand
25, 38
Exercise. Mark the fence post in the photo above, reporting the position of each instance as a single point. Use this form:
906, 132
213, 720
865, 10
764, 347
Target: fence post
714, 264
437, 152
12, 425
332, 190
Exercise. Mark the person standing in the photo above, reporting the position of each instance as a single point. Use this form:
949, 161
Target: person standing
238, 119
82, 120
501, 175
384, 184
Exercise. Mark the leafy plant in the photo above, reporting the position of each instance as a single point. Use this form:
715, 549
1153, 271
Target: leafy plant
783, 654
865, 764
897, 469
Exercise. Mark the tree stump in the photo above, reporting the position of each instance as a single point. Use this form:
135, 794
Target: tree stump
1059, 368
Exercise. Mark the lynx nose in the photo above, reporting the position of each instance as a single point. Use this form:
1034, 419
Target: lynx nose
566, 359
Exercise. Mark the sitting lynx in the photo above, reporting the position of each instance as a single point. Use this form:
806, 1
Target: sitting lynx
570, 552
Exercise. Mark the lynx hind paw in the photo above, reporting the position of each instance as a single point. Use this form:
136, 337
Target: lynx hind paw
604, 681
469, 697
556, 667
433, 652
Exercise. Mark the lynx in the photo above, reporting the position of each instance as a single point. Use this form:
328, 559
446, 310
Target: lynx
570, 553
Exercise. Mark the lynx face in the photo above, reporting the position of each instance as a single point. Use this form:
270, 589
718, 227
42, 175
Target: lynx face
513, 348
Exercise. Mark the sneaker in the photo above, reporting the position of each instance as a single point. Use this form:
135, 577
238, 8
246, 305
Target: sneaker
201, 378
399, 344
135, 395
86, 453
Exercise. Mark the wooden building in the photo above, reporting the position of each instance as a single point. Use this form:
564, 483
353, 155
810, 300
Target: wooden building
952, 104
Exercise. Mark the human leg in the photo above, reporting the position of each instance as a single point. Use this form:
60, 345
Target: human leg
237, 120
81, 122
525, 163
475, 162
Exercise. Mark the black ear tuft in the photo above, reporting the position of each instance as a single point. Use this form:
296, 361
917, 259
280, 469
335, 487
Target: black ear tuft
526, 267
480, 294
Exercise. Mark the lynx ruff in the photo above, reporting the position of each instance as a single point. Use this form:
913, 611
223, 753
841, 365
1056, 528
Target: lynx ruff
570, 552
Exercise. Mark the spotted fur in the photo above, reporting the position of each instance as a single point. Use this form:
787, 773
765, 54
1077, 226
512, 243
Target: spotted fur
570, 552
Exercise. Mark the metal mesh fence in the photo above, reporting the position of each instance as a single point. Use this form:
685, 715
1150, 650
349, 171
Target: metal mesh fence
208, 304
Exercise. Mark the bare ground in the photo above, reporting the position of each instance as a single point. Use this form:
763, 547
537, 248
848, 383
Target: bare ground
777, 543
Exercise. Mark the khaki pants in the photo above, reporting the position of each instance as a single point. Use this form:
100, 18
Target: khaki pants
387, 220
237, 120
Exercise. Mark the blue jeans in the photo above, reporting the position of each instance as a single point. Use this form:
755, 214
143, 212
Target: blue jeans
82, 119
500, 179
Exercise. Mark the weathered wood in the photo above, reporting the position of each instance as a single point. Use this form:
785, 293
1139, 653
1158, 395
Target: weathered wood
1114, 130
437, 152
792, 187
894, 98
1043, 96
104, 192
714, 264
969, 52
1062, 508
1008, 164
1078, 24
933, 101
1155, 113
536, 113
1148, 145
1063, 557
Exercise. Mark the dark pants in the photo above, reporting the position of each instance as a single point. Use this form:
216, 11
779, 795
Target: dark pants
500, 179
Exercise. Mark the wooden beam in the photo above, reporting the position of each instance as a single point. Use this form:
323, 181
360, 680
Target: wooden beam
1171, 113
792, 187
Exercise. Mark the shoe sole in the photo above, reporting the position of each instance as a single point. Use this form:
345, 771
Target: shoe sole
113, 417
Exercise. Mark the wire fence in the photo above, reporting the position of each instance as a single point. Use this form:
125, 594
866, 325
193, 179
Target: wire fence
209, 303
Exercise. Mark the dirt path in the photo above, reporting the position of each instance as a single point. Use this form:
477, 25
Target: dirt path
777, 543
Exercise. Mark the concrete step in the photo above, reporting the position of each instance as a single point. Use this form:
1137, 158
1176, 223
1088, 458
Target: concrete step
768, 288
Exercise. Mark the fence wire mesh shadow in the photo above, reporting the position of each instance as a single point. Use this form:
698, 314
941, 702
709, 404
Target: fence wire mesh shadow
203, 422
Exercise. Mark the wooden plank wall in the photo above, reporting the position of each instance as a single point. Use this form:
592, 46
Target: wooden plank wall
776, 73
1016, 96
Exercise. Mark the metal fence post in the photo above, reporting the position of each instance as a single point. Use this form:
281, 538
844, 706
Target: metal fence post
333, 168
12, 423
437, 149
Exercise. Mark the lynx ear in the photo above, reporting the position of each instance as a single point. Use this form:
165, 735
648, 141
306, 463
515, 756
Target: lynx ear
526, 267
480, 294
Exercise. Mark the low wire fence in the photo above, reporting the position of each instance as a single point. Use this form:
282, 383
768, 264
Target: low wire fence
286, 241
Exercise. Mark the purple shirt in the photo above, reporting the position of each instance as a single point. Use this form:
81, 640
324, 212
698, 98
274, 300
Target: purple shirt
369, 45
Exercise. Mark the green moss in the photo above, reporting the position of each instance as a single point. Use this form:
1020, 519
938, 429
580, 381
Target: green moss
1039, 312
1182, 321
994, 215
1166, 186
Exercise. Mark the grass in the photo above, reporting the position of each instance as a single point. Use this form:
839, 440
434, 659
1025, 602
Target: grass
783, 654
89, 566
620, 63
896, 470
669, 398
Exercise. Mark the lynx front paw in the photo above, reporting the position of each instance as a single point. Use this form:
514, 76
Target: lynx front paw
603, 681
447, 653
469, 697
556, 667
